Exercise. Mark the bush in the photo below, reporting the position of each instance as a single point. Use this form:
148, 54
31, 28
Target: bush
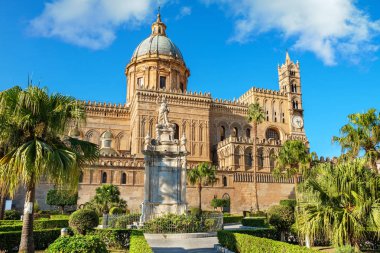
78, 244
345, 249
244, 243
45, 224
83, 220
288, 202
61, 198
12, 215
195, 211
117, 210
7, 228
269, 233
210, 225
219, 203
138, 244
122, 222
232, 219
281, 217
59, 217
10, 241
254, 222
171, 223
114, 238
10, 222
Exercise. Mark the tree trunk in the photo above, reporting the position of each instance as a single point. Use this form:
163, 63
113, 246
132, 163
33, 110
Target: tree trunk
3, 199
27, 242
255, 163
62, 209
295, 177
200, 196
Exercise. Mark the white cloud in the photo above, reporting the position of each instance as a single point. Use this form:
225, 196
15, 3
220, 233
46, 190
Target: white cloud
328, 28
185, 11
89, 23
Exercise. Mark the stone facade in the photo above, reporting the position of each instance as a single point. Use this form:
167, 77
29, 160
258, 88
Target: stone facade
216, 130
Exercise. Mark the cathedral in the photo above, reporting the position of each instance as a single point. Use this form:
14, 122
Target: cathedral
217, 130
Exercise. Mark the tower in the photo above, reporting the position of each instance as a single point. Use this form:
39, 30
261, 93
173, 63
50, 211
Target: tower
290, 83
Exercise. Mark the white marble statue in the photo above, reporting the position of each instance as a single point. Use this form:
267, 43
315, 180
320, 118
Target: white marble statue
163, 113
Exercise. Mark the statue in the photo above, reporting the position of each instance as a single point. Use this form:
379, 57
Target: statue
163, 113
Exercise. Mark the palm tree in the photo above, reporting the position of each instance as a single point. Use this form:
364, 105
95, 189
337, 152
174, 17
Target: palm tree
340, 202
291, 160
362, 133
41, 120
108, 196
202, 175
255, 116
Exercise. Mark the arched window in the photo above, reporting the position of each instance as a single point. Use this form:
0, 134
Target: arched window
249, 159
248, 133
260, 157
176, 132
267, 115
123, 178
222, 133
235, 132
272, 134
104, 177
271, 160
224, 181
182, 87
295, 104
200, 133
162, 82
81, 177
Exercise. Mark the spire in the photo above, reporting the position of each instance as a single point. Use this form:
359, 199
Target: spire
287, 58
158, 28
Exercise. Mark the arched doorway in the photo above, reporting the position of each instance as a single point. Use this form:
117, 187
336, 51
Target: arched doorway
227, 208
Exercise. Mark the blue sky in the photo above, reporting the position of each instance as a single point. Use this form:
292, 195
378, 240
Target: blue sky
81, 47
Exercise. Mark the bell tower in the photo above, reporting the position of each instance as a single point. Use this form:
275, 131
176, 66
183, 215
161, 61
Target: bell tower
290, 83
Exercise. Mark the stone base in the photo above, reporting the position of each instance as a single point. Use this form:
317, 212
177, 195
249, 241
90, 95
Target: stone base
152, 210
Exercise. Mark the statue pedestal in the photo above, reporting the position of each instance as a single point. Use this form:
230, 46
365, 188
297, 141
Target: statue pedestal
165, 174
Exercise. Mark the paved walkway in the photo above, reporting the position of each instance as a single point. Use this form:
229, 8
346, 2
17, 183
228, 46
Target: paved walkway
191, 245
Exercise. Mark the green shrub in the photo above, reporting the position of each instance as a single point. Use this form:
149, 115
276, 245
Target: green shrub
345, 249
269, 233
12, 215
45, 224
114, 238
254, 222
59, 217
195, 211
243, 243
288, 202
7, 228
172, 223
78, 244
281, 217
10, 241
258, 214
122, 222
219, 203
138, 244
117, 210
10, 222
83, 220
232, 219
210, 225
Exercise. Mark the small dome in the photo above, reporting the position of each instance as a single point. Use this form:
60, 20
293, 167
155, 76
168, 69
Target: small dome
158, 44
107, 135
74, 132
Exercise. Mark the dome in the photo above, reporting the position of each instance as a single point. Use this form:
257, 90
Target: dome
107, 135
157, 44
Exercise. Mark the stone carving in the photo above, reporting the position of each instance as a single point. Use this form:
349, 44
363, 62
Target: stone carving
163, 113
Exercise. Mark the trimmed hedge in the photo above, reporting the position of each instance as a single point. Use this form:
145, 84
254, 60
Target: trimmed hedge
12, 215
114, 238
7, 228
123, 221
83, 220
10, 241
78, 244
232, 219
16, 225
254, 222
243, 243
138, 244
269, 233
59, 216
